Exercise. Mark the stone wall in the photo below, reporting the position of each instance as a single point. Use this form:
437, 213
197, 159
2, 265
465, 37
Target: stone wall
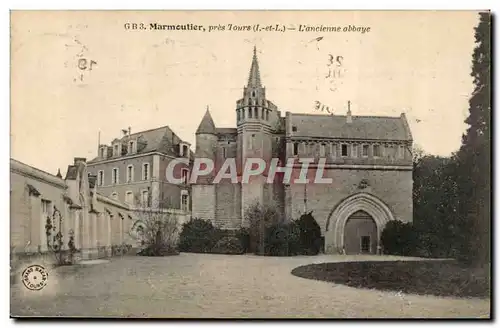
393, 187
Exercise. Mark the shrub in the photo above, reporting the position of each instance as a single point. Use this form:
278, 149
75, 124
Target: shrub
228, 245
310, 234
399, 238
117, 250
198, 236
163, 250
282, 239
244, 236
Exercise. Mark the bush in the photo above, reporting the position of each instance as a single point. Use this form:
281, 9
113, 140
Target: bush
310, 234
228, 245
163, 250
399, 238
120, 249
244, 236
198, 236
282, 239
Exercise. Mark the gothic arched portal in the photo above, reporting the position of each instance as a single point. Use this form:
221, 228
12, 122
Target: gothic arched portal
361, 206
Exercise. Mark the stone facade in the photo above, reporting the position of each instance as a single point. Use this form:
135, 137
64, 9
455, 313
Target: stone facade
368, 158
137, 174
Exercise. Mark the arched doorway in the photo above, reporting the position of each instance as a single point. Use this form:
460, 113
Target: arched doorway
365, 207
360, 234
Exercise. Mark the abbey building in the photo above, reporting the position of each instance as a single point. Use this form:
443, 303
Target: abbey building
368, 159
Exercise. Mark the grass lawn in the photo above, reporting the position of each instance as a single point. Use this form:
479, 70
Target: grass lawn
441, 278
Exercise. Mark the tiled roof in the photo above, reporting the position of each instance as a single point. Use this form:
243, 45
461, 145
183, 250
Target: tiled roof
361, 127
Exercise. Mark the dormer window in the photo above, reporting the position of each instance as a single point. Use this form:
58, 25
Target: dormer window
103, 154
130, 147
183, 150
116, 150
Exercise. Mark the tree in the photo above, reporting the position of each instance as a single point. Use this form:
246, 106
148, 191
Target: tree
399, 238
156, 229
260, 218
474, 156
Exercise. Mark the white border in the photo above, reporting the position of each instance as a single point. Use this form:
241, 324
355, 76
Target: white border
186, 4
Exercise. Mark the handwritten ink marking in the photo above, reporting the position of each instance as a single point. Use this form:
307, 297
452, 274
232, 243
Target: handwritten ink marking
82, 64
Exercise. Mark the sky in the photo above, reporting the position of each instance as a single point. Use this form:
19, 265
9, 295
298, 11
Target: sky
78, 76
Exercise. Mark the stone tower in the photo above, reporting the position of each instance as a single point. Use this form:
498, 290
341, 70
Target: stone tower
203, 190
256, 118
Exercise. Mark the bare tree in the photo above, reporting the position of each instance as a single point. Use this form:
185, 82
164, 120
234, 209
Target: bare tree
156, 229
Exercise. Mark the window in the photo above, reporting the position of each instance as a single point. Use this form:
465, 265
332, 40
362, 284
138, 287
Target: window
249, 112
365, 244
294, 128
251, 141
295, 148
130, 173
100, 178
256, 112
376, 150
145, 171
321, 150
253, 94
354, 150
401, 151
46, 210
130, 147
365, 151
185, 151
238, 115
184, 175
129, 197
262, 112
145, 198
115, 150
344, 150
267, 115
184, 202
114, 195
116, 178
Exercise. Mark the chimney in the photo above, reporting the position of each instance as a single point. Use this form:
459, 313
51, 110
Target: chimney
59, 175
349, 115
78, 160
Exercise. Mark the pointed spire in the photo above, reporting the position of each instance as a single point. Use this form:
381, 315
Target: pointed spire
207, 124
59, 175
254, 77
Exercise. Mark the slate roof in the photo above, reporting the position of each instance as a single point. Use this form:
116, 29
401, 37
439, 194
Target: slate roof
227, 131
161, 139
207, 124
361, 127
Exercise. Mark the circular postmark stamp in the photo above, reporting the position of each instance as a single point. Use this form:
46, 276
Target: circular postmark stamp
35, 277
